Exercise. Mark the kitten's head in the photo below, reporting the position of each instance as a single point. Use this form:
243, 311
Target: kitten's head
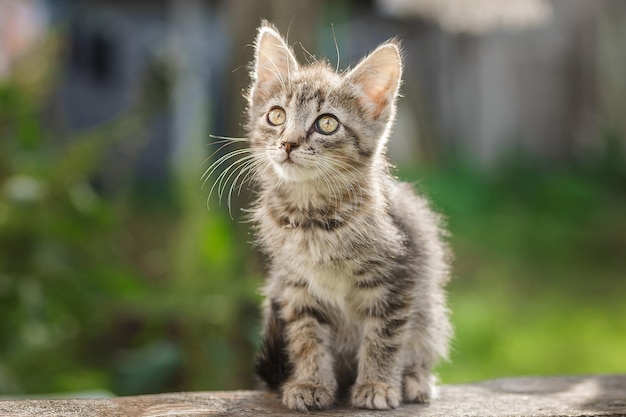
309, 121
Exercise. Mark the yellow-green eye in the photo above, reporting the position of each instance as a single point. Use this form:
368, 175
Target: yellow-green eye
276, 116
326, 124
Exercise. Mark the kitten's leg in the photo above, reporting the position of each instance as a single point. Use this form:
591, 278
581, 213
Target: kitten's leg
378, 384
382, 298
427, 343
312, 385
418, 385
273, 365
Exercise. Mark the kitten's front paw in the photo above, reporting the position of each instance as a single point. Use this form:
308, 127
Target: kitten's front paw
307, 396
375, 396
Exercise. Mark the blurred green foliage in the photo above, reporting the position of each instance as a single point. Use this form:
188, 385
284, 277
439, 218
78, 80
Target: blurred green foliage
57, 278
539, 276
131, 291
113, 289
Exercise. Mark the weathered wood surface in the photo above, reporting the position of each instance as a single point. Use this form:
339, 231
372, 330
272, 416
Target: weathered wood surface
537, 397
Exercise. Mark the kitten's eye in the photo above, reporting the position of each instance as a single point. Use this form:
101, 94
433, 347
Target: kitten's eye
326, 124
276, 116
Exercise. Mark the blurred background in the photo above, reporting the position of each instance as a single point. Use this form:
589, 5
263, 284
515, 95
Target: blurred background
117, 276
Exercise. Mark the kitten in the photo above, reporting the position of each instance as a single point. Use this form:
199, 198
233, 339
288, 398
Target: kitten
354, 296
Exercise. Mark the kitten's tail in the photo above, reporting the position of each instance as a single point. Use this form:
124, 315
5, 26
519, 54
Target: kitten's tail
273, 365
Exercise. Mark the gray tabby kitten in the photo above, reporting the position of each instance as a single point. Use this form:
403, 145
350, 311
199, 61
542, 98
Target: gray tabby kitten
357, 262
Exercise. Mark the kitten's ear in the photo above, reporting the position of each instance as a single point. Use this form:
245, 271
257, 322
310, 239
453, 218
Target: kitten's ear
274, 60
377, 77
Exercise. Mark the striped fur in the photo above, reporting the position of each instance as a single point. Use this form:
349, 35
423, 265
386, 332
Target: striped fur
354, 297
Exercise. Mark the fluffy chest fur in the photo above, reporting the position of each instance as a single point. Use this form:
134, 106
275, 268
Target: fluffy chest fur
324, 246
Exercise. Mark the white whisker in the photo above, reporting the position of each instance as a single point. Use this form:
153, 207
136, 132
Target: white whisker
336, 46
224, 144
246, 169
309, 55
231, 171
225, 175
215, 165
229, 138
233, 168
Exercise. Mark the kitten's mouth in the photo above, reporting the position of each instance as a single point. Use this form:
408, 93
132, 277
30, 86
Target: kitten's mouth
288, 161
293, 171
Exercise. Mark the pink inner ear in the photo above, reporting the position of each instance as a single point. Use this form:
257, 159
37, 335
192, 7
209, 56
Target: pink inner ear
381, 101
375, 101
378, 76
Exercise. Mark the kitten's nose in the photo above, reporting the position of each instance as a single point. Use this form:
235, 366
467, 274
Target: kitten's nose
289, 146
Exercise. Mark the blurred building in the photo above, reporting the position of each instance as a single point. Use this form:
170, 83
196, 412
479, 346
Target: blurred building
524, 75
536, 78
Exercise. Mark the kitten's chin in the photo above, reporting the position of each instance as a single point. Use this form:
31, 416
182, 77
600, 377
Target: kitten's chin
294, 173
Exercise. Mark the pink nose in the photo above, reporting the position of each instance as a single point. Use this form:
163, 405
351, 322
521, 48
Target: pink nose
289, 146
